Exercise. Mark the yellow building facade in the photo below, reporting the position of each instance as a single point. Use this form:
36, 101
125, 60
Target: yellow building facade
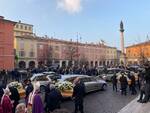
25, 45
26, 50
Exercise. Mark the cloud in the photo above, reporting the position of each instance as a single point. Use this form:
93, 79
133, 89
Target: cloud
71, 6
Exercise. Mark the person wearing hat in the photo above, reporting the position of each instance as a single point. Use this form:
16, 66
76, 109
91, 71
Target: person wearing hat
6, 102
78, 95
35, 104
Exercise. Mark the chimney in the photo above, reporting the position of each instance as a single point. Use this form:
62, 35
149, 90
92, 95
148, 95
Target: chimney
1, 17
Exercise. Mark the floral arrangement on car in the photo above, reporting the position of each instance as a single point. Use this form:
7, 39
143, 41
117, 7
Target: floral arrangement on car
16, 85
64, 86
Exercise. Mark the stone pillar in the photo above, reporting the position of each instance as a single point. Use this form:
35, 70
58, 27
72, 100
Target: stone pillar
60, 63
122, 37
122, 42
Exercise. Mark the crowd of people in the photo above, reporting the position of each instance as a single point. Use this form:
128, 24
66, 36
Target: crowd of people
145, 86
124, 83
51, 101
142, 83
34, 102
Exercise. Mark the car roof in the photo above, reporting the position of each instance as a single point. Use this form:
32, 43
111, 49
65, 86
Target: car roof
100, 66
48, 72
36, 75
63, 77
22, 71
114, 69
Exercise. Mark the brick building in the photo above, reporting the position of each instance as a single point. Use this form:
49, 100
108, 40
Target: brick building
6, 44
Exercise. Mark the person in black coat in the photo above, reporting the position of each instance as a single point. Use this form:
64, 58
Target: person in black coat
124, 84
29, 89
142, 91
47, 91
1, 91
53, 99
114, 82
78, 95
14, 97
147, 85
133, 84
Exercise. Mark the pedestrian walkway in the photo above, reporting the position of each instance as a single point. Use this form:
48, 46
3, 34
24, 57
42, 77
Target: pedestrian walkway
135, 107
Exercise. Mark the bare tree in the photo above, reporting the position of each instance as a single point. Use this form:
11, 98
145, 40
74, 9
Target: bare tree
50, 54
71, 53
142, 50
83, 60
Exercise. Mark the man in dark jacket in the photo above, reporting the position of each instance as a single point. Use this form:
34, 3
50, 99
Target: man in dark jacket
78, 95
114, 82
124, 84
53, 99
142, 91
147, 85
29, 89
133, 90
47, 91
14, 97
1, 91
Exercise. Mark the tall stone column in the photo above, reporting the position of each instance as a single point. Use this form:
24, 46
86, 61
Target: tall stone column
122, 56
122, 37
122, 42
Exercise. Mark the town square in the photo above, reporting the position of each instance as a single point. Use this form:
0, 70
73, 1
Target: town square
74, 56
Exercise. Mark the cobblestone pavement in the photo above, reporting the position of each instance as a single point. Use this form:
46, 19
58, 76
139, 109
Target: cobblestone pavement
102, 102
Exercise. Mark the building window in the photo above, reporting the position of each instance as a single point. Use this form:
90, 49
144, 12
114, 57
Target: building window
25, 27
22, 53
31, 54
22, 45
56, 48
17, 26
30, 28
41, 46
21, 26
32, 47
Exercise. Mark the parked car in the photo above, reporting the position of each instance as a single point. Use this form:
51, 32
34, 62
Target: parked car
23, 74
100, 69
110, 72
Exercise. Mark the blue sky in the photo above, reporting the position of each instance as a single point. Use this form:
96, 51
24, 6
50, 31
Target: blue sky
93, 19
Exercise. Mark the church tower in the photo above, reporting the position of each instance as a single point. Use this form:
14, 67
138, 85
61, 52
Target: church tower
122, 37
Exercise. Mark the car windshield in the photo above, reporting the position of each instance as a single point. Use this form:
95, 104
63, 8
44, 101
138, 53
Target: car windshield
41, 78
93, 78
71, 79
110, 72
